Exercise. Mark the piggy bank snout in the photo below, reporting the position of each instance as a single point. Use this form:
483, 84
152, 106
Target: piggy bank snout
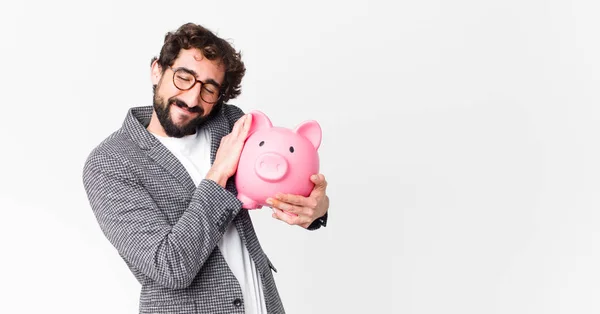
271, 167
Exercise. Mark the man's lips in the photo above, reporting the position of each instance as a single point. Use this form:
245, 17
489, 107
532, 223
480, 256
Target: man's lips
183, 107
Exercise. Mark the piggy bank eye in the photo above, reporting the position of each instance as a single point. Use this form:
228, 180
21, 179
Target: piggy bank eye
291, 149
261, 143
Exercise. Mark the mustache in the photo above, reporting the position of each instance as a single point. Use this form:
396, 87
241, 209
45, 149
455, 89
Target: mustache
182, 104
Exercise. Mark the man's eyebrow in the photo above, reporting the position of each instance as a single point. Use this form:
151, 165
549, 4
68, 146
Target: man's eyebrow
209, 80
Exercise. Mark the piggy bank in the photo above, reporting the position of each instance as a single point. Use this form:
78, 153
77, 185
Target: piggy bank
276, 160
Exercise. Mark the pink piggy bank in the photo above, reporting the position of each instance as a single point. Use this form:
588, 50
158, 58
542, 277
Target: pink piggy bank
276, 160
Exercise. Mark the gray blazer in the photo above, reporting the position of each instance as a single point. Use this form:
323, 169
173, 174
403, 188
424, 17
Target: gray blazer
164, 227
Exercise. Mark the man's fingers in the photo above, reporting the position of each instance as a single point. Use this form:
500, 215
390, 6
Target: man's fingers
246, 127
283, 216
298, 209
297, 200
248, 122
319, 181
238, 125
283, 206
290, 219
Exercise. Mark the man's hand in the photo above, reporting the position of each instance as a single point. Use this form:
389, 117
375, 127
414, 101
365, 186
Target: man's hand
230, 149
300, 210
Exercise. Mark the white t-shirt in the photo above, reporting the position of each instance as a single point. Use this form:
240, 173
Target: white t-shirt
193, 151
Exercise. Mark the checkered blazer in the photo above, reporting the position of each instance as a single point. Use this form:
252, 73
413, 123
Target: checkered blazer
164, 227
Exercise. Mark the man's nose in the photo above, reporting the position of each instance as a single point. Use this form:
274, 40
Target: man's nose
192, 95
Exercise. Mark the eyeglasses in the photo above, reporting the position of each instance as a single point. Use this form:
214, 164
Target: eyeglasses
185, 80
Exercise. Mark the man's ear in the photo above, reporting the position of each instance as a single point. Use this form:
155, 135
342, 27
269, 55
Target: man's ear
155, 72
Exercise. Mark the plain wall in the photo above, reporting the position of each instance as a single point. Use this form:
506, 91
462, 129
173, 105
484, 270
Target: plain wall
460, 146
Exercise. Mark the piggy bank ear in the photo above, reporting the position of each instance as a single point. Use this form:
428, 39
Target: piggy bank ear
311, 130
259, 121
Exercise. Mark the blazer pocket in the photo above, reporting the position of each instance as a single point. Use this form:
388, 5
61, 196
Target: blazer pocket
166, 308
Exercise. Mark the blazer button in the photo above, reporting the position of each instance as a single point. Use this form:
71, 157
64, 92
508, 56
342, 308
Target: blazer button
237, 302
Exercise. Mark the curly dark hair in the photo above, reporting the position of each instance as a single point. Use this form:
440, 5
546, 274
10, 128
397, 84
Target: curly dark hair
192, 35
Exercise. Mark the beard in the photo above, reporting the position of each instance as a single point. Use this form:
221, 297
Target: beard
163, 112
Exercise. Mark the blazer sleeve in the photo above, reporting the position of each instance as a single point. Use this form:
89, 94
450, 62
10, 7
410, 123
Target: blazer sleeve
319, 222
171, 255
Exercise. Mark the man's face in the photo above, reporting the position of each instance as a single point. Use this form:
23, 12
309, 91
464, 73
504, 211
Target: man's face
181, 111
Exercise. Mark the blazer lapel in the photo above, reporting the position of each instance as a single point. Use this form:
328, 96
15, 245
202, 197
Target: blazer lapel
218, 127
135, 125
171, 164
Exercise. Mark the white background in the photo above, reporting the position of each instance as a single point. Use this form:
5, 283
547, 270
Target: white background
460, 145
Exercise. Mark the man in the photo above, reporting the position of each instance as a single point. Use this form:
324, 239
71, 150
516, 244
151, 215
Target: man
162, 187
